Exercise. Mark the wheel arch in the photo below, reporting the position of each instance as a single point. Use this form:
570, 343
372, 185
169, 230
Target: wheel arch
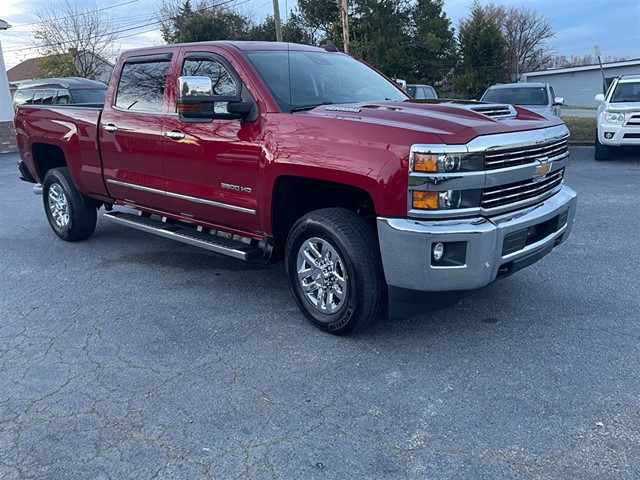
294, 197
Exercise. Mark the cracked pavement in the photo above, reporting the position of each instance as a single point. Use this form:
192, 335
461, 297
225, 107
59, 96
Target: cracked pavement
129, 356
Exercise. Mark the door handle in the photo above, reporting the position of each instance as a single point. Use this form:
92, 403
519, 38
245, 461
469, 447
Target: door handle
110, 128
174, 135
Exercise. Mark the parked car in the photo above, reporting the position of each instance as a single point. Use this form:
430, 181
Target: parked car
60, 91
618, 116
538, 97
262, 151
422, 92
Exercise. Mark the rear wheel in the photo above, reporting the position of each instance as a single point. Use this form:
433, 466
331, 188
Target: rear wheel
602, 151
72, 216
334, 266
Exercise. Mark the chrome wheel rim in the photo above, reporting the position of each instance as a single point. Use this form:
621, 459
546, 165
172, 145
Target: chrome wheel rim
322, 275
58, 206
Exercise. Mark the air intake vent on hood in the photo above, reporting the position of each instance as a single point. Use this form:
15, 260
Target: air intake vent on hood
495, 111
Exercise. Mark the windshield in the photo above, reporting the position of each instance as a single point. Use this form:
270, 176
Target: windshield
318, 78
96, 95
517, 95
626, 92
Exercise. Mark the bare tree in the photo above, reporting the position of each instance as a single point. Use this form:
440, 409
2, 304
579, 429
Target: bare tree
526, 32
75, 39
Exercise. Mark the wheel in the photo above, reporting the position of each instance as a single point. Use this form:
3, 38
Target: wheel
602, 151
333, 262
71, 215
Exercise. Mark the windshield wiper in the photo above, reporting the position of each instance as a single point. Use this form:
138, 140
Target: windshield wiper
302, 108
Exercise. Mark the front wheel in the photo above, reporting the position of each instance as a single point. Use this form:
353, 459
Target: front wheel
333, 263
72, 216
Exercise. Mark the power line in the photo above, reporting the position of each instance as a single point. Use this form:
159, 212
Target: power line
72, 16
115, 32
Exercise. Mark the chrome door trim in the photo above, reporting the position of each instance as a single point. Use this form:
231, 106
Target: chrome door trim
182, 197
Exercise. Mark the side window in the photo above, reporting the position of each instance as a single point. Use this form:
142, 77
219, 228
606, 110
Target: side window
553, 94
141, 86
47, 97
431, 93
37, 97
23, 97
222, 81
64, 97
420, 93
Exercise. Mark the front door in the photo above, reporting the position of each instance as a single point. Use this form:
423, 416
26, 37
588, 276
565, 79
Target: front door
212, 167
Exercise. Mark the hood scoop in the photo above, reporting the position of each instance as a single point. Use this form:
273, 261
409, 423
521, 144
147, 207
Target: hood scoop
495, 111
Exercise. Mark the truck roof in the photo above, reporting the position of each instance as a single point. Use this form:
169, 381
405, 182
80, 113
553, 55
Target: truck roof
244, 46
62, 82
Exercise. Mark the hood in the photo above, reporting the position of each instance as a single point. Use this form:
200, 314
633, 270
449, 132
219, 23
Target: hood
454, 122
623, 107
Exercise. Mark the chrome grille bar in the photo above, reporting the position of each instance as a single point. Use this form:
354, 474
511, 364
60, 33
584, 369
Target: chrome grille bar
516, 192
502, 158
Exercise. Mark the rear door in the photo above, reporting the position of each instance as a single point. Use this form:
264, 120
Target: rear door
131, 133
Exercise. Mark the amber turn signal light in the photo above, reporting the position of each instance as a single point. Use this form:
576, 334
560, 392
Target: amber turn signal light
425, 200
423, 162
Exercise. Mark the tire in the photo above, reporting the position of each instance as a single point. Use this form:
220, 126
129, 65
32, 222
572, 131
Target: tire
602, 151
72, 216
333, 262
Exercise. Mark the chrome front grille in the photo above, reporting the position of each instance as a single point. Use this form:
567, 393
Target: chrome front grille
510, 157
493, 197
634, 120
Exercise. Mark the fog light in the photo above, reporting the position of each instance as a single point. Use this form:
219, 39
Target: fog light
608, 135
438, 251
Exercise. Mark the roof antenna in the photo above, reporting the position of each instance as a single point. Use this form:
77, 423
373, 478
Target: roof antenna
330, 46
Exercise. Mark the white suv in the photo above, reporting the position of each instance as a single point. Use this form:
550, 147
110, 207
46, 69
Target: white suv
618, 116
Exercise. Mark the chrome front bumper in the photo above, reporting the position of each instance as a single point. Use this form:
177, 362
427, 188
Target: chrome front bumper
406, 245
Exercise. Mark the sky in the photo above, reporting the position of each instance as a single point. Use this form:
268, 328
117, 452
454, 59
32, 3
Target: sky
579, 25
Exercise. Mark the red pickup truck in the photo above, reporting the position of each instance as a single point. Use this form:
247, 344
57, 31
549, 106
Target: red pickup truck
377, 203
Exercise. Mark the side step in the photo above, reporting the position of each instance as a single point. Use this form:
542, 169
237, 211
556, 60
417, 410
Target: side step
224, 246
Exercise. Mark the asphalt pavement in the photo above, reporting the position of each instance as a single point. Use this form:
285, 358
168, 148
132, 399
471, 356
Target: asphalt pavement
129, 356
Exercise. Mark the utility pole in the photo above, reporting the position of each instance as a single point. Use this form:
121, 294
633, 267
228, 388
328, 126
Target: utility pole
345, 25
276, 16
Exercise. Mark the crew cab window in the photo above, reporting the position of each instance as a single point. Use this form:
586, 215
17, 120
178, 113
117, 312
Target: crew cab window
141, 86
222, 81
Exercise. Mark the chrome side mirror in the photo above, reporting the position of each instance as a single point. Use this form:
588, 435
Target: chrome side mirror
558, 101
599, 98
194, 86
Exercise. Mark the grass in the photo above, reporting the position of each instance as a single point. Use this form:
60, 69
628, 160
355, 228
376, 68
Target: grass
582, 129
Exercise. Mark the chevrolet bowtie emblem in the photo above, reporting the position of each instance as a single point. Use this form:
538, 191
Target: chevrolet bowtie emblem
542, 169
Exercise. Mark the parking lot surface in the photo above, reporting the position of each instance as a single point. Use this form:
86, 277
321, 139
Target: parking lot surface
129, 356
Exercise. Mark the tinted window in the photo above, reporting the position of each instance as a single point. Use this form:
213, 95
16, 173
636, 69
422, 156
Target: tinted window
91, 95
223, 83
63, 97
420, 93
23, 97
47, 97
430, 93
626, 92
517, 95
305, 79
141, 86
411, 90
37, 97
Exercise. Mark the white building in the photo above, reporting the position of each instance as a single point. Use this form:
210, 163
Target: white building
578, 85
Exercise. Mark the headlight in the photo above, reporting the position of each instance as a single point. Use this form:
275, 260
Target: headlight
446, 200
613, 117
445, 162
